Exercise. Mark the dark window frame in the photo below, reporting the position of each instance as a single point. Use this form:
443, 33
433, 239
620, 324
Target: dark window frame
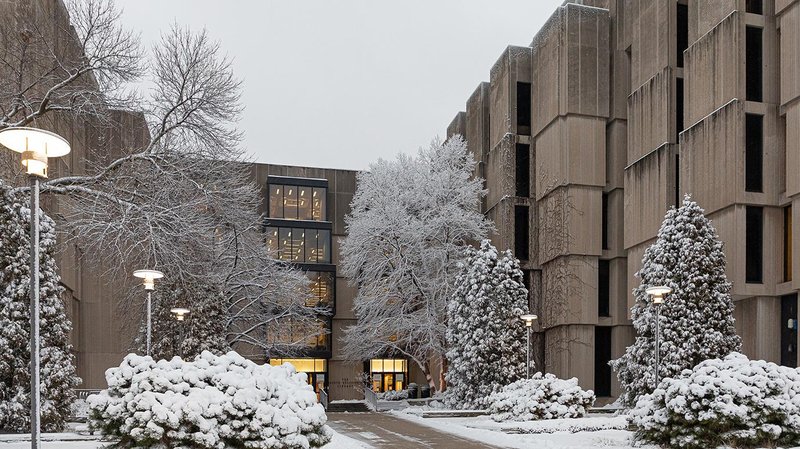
524, 104
754, 153
521, 232
604, 288
754, 63
754, 245
522, 162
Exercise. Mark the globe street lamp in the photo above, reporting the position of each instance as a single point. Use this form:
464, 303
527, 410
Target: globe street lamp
149, 280
658, 293
528, 318
180, 314
35, 146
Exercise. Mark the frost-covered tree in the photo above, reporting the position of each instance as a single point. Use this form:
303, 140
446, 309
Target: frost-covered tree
178, 196
696, 318
485, 337
410, 222
58, 376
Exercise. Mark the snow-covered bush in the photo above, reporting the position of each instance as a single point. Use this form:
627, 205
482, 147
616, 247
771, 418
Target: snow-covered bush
483, 327
732, 401
212, 402
540, 397
696, 318
394, 395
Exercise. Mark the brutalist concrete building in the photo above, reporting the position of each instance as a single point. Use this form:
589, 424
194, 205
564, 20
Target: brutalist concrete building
615, 111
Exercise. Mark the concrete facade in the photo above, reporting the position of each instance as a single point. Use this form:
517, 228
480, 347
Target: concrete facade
634, 103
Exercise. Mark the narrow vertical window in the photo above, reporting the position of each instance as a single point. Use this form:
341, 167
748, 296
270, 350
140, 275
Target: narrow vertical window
276, 201
605, 221
524, 108
683, 32
677, 180
754, 153
521, 232
787, 243
603, 293
754, 245
523, 170
754, 6
602, 355
754, 64
678, 106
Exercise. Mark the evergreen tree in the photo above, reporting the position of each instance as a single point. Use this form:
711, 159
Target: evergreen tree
57, 363
696, 318
203, 329
485, 336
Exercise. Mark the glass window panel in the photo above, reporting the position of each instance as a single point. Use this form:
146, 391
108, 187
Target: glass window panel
376, 365
320, 198
320, 382
304, 209
376, 382
311, 245
325, 288
273, 242
290, 202
399, 381
299, 244
285, 241
324, 246
276, 201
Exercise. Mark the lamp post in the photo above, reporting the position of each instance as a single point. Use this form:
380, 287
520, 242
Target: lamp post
35, 146
528, 318
180, 315
149, 280
658, 293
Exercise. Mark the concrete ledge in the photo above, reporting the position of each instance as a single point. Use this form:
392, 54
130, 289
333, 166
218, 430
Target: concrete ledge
453, 413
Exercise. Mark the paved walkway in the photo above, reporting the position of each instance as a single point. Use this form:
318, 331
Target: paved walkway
385, 431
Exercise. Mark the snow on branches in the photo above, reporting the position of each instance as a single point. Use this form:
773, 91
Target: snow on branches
57, 373
696, 318
410, 222
485, 337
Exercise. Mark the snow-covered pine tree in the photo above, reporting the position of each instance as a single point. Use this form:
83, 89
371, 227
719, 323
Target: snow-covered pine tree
58, 376
485, 336
203, 329
696, 318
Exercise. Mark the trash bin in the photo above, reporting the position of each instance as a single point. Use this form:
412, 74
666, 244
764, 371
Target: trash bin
413, 391
425, 391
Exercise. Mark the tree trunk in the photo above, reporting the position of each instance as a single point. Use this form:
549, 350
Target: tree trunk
442, 381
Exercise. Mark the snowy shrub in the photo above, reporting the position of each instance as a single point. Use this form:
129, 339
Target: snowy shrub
212, 402
696, 318
540, 397
394, 395
732, 401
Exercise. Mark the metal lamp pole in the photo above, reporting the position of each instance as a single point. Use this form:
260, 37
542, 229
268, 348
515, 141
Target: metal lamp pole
36, 146
658, 293
528, 318
149, 281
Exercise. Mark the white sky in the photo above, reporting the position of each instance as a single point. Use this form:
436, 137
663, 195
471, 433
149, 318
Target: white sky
340, 83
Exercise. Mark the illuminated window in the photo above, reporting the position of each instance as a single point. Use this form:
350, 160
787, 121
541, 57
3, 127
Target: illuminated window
300, 244
297, 202
787, 243
388, 374
321, 288
276, 201
315, 369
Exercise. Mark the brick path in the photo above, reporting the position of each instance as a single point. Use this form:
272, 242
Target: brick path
385, 431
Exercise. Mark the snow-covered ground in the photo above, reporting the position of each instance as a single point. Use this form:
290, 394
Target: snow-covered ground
605, 431
576, 433
72, 440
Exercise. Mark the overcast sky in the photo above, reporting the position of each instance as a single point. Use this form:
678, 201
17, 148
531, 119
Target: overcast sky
335, 83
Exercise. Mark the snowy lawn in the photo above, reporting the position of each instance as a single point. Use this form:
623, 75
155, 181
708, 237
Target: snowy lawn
571, 433
72, 440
